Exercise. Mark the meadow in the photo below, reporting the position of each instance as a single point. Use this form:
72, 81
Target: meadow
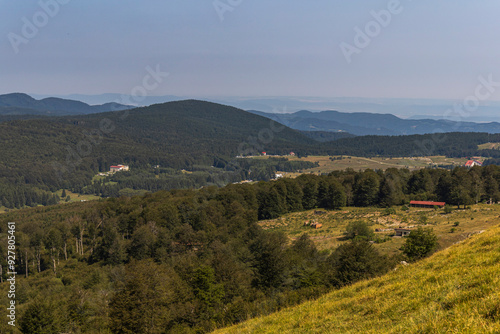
329, 164
449, 227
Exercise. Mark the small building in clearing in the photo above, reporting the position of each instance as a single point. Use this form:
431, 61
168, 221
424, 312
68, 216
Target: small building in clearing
426, 204
472, 163
118, 168
402, 232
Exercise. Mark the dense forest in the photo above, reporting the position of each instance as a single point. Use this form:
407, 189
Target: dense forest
67, 152
325, 136
193, 260
200, 137
221, 173
452, 144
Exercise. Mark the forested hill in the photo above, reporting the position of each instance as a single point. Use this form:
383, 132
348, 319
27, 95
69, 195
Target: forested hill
453, 144
66, 152
42, 155
364, 123
23, 104
201, 128
325, 136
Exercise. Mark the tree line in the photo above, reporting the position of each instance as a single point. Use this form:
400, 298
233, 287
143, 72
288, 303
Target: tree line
67, 152
194, 260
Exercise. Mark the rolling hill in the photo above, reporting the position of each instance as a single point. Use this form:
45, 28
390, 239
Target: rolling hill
362, 123
454, 291
325, 136
67, 152
23, 104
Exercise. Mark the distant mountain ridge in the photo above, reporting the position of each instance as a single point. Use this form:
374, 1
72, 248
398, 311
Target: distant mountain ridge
355, 123
362, 124
23, 104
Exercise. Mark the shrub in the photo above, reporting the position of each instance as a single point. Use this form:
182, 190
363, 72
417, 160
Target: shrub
355, 261
380, 240
358, 229
389, 211
40, 317
423, 219
420, 243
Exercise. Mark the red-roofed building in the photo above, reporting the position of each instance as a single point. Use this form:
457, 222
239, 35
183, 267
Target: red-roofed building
472, 163
118, 168
426, 204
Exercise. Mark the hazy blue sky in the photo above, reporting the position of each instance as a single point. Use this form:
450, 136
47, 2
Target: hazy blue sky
430, 49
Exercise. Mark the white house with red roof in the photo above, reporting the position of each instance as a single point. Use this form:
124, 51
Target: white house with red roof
118, 168
472, 163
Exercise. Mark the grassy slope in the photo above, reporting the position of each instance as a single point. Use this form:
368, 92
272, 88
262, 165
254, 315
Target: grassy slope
454, 291
489, 146
479, 217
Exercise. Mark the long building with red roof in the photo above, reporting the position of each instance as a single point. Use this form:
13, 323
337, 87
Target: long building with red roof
426, 204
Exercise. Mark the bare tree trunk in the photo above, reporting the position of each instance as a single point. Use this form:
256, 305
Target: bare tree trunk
54, 264
65, 252
26, 260
1, 274
77, 250
38, 260
81, 240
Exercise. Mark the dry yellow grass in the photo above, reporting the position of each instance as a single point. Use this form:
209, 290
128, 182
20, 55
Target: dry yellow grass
488, 146
454, 291
479, 217
327, 165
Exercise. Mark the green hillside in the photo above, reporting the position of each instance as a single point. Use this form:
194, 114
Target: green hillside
452, 144
198, 260
23, 104
159, 141
454, 291
67, 152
